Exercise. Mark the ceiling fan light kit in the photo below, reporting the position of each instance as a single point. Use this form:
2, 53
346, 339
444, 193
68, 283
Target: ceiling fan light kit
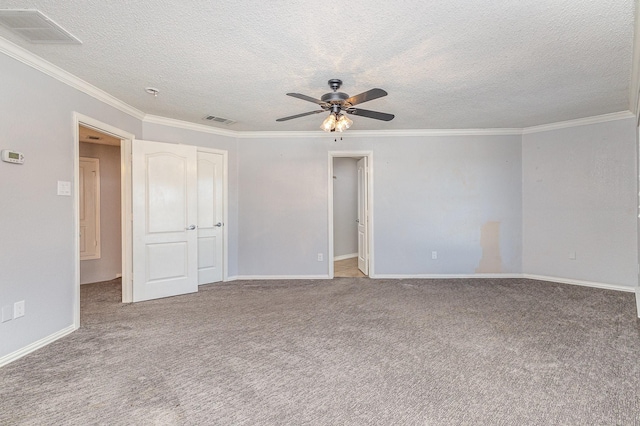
339, 124
338, 104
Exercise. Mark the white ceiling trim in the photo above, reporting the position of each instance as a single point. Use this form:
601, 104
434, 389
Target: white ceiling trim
435, 132
16, 52
389, 133
155, 119
381, 133
187, 125
579, 122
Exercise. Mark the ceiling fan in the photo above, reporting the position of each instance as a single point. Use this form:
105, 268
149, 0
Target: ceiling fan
339, 103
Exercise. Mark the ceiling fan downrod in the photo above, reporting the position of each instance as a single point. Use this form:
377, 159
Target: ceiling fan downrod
335, 84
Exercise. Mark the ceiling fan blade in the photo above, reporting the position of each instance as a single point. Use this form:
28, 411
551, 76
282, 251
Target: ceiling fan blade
300, 115
307, 98
369, 95
371, 114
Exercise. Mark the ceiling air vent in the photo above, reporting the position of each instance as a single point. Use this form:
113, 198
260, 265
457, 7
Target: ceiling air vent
34, 26
214, 119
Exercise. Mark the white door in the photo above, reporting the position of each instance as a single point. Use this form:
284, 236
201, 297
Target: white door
363, 244
210, 217
89, 208
164, 199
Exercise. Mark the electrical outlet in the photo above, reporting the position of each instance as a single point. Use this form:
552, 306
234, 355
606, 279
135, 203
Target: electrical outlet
18, 309
320, 257
434, 254
572, 255
7, 313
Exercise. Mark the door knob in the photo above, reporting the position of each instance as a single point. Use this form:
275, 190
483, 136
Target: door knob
219, 224
191, 228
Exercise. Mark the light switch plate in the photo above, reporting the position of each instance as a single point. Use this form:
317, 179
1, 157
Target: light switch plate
64, 188
18, 309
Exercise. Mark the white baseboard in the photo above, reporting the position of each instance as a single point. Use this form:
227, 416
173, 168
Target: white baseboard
527, 276
282, 277
443, 276
580, 282
345, 256
36, 345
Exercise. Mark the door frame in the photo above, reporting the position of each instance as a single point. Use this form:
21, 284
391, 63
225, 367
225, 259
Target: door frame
225, 207
637, 159
126, 140
370, 245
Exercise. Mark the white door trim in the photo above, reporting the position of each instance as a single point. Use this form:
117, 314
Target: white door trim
225, 209
370, 204
126, 139
637, 159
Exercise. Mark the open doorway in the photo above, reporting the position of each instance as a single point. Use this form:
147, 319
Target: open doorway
350, 218
99, 206
106, 151
345, 218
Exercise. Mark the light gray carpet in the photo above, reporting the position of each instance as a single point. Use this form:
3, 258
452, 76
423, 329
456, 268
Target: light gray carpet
350, 351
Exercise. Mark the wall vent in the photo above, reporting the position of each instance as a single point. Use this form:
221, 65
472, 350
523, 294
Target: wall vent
35, 27
215, 119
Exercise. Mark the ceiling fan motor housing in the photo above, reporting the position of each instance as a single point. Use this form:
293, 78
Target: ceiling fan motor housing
334, 97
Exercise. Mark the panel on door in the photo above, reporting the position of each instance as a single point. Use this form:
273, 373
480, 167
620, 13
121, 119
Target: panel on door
164, 182
363, 244
89, 209
210, 217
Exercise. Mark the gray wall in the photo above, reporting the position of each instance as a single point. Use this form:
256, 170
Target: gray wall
110, 262
282, 206
37, 228
345, 206
430, 193
467, 197
579, 195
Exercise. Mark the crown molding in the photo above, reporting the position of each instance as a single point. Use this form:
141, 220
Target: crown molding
387, 133
30, 59
279, 134
380, 133
20, 54
578, 122
187, 125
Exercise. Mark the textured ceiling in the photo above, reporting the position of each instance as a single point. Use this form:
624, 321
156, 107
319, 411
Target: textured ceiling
446, 64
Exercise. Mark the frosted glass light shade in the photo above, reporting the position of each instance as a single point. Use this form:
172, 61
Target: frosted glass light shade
343, 123
329, 123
